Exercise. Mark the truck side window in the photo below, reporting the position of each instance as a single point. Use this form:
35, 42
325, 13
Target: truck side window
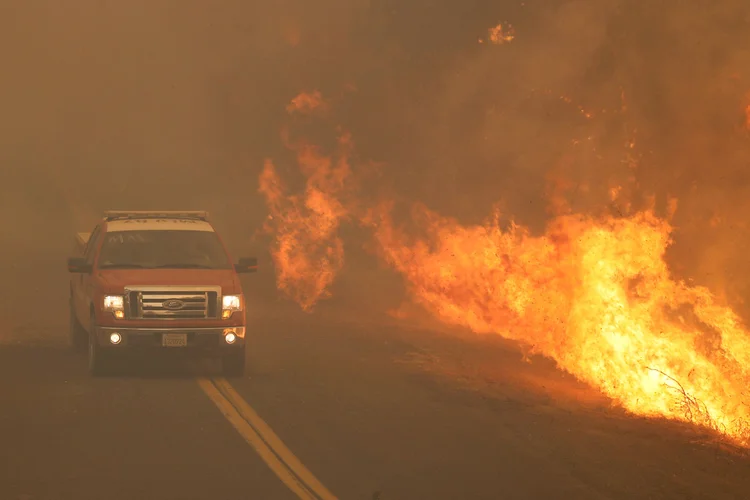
91, 245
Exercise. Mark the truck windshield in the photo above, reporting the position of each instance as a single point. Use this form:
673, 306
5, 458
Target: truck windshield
175, 249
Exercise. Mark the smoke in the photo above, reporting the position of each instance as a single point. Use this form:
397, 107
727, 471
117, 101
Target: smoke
686, 68
165, 104
134, 105
645, 97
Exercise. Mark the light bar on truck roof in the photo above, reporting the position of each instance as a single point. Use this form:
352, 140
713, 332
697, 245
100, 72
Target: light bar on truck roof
165, 214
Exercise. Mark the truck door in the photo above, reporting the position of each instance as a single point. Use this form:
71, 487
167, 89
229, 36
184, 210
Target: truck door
83, 285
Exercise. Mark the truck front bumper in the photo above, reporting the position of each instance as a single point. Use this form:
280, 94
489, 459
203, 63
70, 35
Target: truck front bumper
203, 340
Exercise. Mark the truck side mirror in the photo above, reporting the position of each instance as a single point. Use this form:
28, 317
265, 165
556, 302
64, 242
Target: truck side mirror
246, 265
79, 265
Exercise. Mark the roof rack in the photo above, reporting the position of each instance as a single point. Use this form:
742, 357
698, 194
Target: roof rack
164, 214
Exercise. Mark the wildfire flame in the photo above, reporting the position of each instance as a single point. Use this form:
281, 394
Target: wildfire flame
593, 293
307, 251
499, 35
307, 102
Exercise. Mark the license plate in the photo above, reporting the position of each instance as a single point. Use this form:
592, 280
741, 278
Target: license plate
174, 340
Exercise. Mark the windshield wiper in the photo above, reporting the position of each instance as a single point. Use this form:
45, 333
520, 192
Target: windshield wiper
184, 266
121, 266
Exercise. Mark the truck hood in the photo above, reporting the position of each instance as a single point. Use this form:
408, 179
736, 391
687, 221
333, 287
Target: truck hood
117, 279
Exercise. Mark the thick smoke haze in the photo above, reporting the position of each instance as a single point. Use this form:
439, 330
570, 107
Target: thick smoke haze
167, 104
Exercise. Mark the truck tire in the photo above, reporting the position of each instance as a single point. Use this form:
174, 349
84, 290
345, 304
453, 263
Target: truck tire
233, 364
99, 362
77, 334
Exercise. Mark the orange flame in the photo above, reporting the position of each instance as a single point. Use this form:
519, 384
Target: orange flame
593, 293
500, 34
307, 102
307, 251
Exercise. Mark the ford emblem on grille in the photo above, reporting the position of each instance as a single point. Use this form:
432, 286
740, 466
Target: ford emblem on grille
173, 304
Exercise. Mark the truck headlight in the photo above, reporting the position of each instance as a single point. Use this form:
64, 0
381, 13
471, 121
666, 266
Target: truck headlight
114, 304
230, 304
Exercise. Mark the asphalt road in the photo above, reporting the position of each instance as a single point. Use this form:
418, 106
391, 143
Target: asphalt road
371, 410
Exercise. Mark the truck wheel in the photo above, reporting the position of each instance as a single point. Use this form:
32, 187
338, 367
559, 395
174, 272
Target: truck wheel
76, 334
233, 364
99, 362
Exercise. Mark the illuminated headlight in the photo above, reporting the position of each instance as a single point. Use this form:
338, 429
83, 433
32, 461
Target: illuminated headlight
115, 338
114, 304
230, 304
230, 338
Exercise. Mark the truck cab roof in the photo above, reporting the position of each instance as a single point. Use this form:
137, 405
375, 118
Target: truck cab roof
135, 220
153, 224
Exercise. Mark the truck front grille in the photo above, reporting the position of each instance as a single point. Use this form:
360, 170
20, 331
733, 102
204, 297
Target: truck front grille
173, 303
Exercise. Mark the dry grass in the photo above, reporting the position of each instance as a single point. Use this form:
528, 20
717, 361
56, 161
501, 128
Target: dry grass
732, 440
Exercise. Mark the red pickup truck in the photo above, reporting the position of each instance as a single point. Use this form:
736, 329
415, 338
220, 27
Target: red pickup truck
157, 281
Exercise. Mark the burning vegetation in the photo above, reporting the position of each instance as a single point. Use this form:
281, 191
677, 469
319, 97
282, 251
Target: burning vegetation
630, 153
308, 251
592, 292
500, 34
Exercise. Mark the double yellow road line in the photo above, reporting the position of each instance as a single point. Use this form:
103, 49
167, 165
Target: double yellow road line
265, 442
